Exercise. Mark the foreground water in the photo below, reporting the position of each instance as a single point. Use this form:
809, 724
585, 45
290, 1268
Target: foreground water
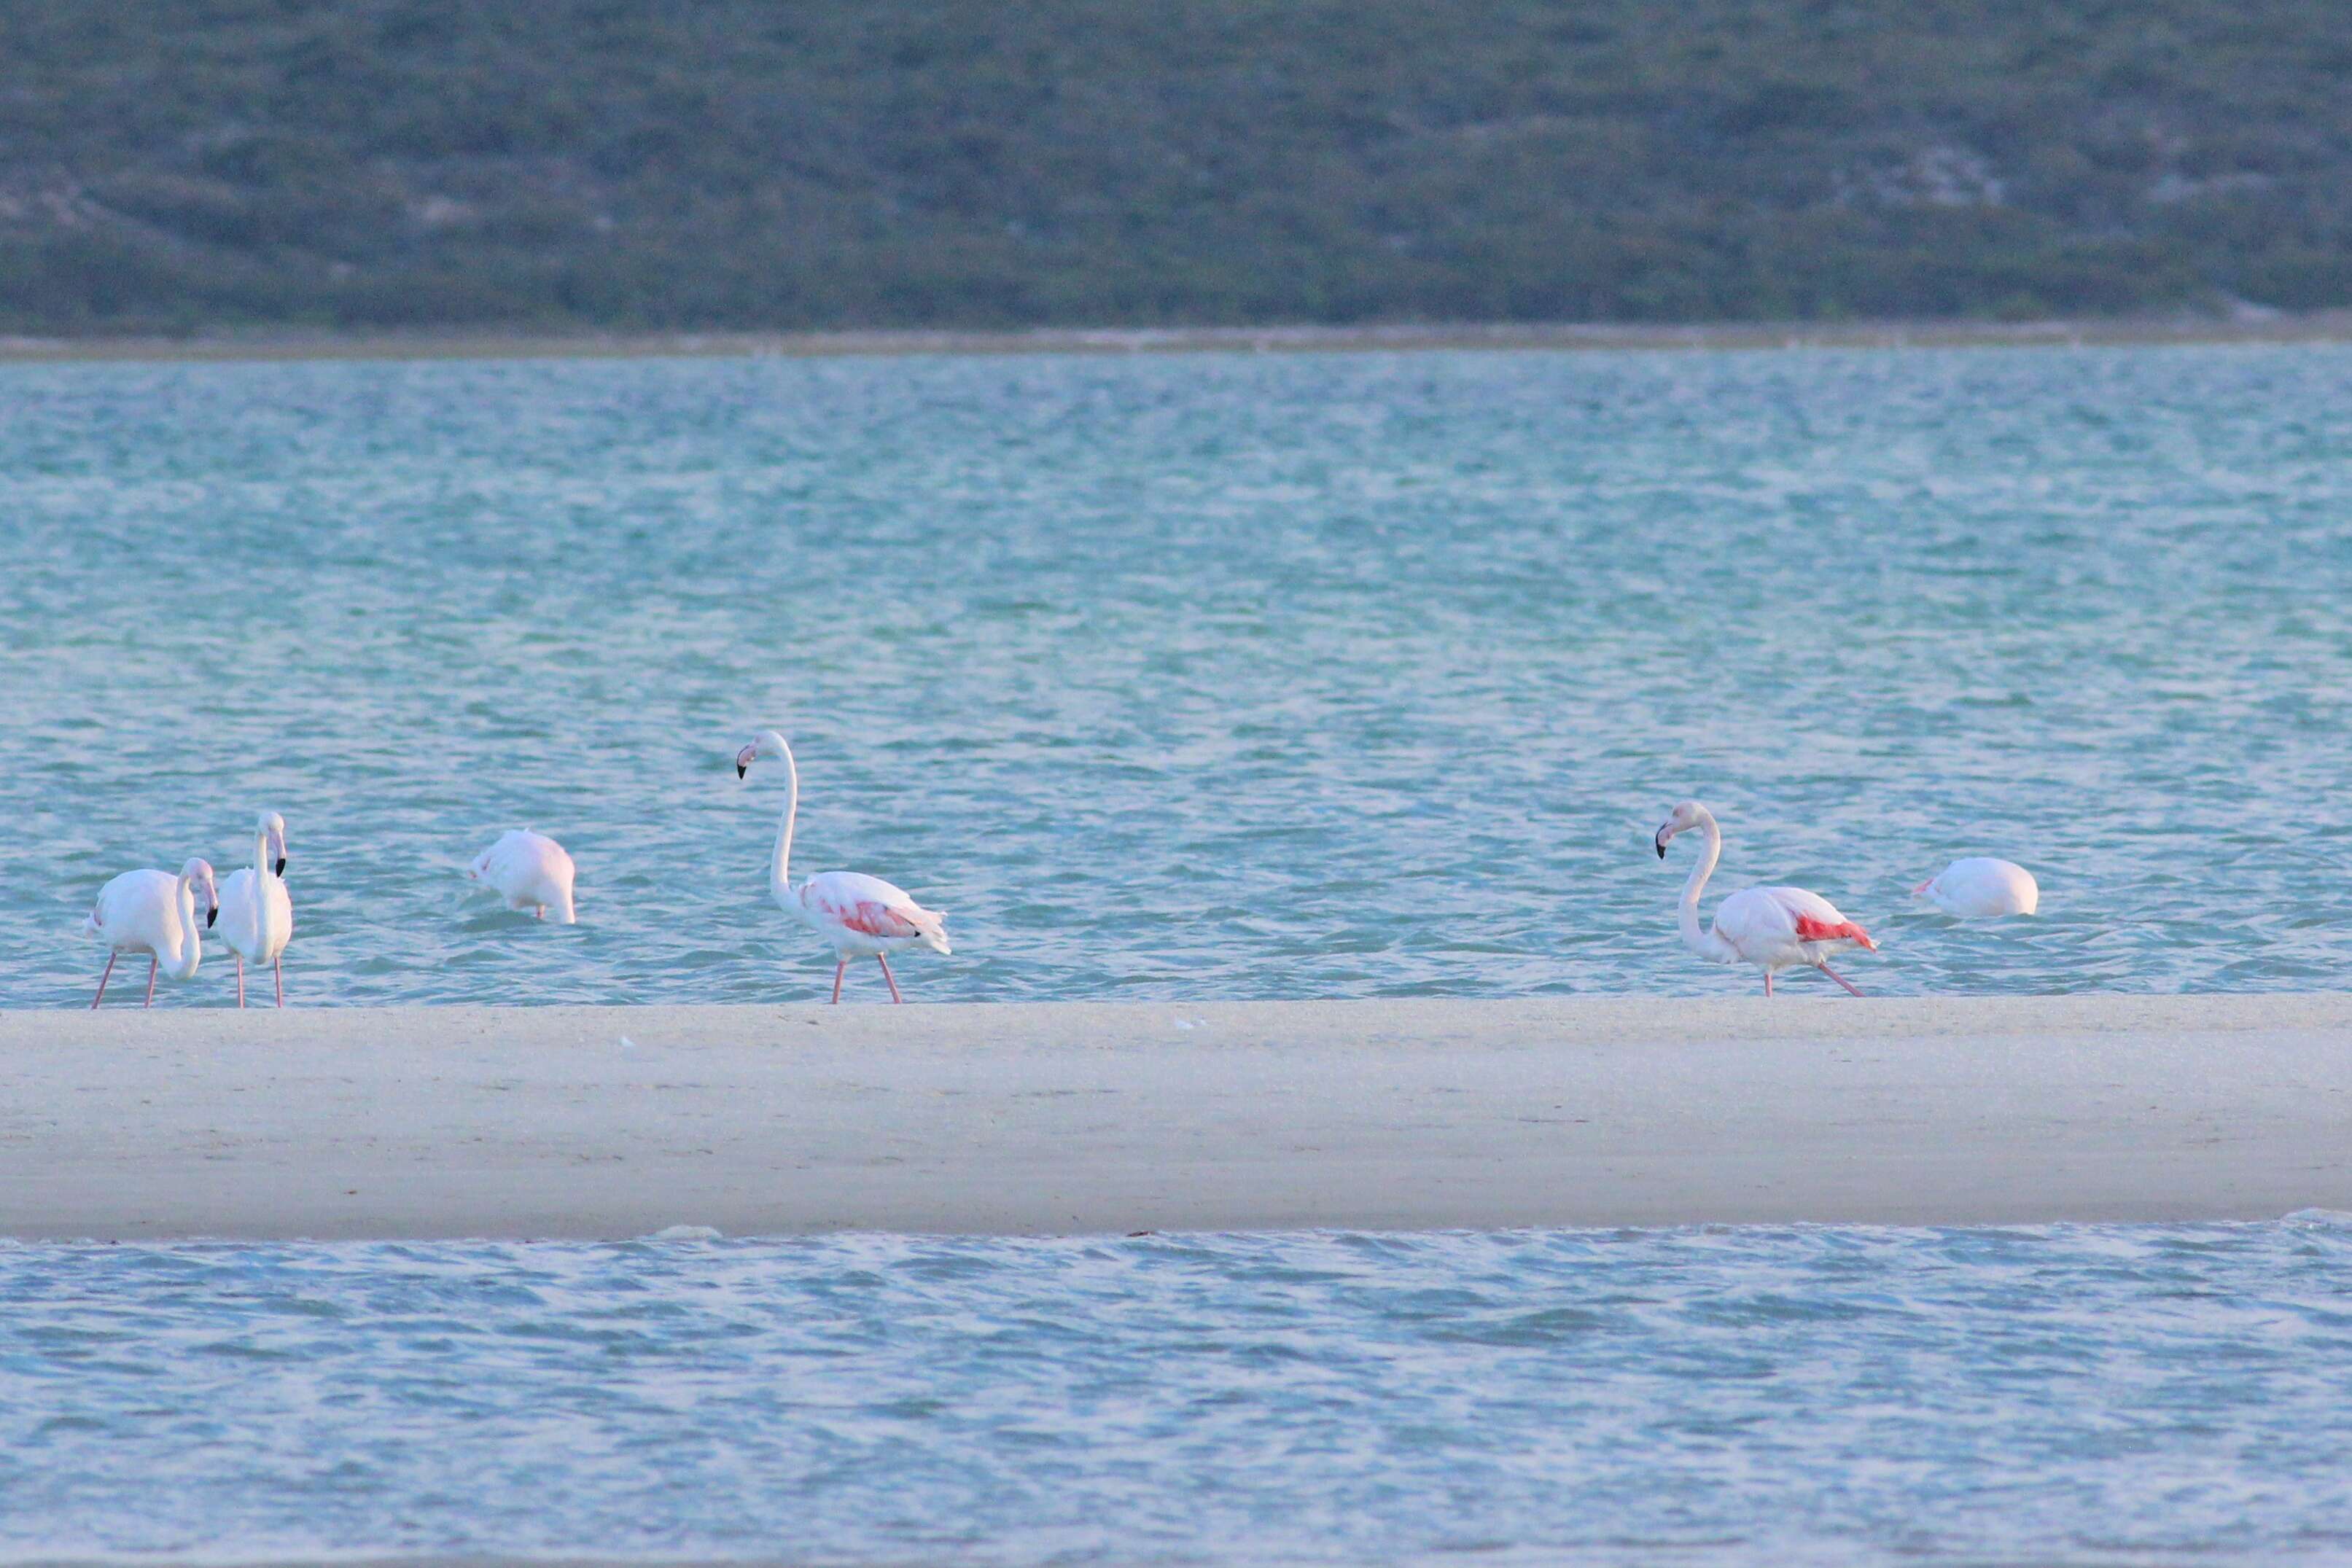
2059, 1395
1210, 675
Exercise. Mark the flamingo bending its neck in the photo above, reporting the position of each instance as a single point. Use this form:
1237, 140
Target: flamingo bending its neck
530, 871
860, 915
259, 916
154, 913
1774, 928
1981, 886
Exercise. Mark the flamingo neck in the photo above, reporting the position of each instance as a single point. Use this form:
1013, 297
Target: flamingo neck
181, 965
1705, 944
779, 865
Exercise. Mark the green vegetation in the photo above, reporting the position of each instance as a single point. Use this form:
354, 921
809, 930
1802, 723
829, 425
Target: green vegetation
181, 164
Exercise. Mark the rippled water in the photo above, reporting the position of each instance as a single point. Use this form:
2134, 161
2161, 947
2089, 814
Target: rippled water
2059, 1395
1206, 675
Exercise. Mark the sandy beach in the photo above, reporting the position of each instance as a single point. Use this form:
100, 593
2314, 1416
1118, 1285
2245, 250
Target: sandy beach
1081, 1118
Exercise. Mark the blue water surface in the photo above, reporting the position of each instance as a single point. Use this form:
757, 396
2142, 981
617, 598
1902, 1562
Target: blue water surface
1204, 675
2058, 1395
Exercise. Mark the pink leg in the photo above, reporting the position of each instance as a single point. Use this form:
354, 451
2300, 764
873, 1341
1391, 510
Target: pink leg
279, 965
1767, 982
240, 977
838, 970
151, 978
1841, 980
110, 957
885, 974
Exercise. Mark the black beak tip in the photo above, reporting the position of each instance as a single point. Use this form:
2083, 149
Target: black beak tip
740, 770
1661, 851
281, 871
210, 915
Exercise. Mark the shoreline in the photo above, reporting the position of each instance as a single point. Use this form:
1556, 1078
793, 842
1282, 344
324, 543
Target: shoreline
2318, 326
1087, 1118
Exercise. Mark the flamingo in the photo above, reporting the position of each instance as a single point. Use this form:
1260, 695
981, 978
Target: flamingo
859, 914
259, 927
154, 913
1774, 928
1980, 885
530, 871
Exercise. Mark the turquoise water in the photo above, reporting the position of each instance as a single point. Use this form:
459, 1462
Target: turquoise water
1214, 675
2064, 1395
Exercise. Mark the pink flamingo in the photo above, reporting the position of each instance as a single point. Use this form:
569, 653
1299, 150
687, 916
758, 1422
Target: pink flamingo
1981, 886
154, 913
860, 915
1774, 928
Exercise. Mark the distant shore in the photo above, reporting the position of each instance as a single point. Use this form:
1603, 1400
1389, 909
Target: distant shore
1079, 1118
2333, 326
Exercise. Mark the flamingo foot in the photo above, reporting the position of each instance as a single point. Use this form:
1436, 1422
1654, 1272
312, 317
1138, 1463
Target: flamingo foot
885, 974
838, 970
110, 957
1841, 980
151, 964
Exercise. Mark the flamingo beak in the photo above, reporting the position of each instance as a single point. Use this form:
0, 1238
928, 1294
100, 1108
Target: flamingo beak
210, 915
740, 770
1663, 834
280, 869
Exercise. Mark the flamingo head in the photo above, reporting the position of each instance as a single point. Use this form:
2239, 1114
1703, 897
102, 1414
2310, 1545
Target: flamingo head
767, 743
272, 827
198, 875
1686, 815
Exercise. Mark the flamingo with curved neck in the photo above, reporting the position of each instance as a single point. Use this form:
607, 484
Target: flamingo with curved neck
154, 913
860, 915
1774, 928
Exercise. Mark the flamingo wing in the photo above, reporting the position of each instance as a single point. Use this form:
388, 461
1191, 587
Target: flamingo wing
1812, 918
1770, 925
865, 905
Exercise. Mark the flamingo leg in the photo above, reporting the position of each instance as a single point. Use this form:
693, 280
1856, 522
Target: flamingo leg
240, 978
885, 974
1841, 980
838, 970
151, 964
1767, 982
278, 967
110, 957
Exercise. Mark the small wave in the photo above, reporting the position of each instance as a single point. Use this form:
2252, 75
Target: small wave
685, 1233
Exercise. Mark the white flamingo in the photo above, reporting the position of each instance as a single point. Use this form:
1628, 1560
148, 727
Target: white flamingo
1979, 886
154, 913
530, 871
257, 917
1774, 928
861, 915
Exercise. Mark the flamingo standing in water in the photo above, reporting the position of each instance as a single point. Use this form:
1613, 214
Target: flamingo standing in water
260, 917
860, 915
1774, 928
154, 913
1981, 886
530, 871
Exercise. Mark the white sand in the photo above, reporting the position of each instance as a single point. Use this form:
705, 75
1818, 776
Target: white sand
1084, 1117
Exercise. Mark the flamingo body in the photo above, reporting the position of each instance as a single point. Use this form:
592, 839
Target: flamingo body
1785, 927
864, 916
1981, 887
154, 913
257, 914
1774, 928
529, 870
